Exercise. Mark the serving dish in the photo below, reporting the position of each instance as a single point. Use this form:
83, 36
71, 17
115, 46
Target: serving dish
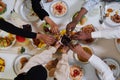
20, 61
59, 8
112, 9
27, 12
114, 66
7, 40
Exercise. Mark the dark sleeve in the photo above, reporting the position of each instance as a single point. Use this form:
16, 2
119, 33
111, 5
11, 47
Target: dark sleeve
37, 8
8, 27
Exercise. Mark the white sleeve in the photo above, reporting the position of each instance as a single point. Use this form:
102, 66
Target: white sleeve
102, 67
62, 69
38, 59
107, 34
89, 4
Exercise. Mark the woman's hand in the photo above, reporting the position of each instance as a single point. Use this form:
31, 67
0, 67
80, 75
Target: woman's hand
54, 26
48, 39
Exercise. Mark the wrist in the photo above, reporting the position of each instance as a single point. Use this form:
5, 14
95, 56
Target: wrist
38, 36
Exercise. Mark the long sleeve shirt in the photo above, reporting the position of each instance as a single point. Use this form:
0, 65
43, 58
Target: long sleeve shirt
8, 27
107, 34
103, 68
37, 8
44, 57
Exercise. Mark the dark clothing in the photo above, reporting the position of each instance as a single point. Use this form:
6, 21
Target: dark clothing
37, 8
35, 73
8, 27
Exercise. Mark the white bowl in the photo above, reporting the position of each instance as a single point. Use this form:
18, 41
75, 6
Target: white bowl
55, 12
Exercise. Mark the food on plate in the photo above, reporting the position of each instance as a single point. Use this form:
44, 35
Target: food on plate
118, 41
3, 7
39, 43
107, 14
76, 72
112, 67
23, 61
83, 19
88, 29
51, 66
115, 18
46, 28
59, 8
109, 10
2, 65
86, 49
6, 41
65, 40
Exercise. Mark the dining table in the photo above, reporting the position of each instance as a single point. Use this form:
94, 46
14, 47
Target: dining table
103, 48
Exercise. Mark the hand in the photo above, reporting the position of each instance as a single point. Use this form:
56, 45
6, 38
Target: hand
70, 27
80, 51
54, 28
65, 49
81, 36
48, 39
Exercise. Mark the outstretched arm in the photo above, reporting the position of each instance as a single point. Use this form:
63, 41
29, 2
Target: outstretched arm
37, 8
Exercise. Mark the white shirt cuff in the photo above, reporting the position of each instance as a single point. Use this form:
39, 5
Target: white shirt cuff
96, 34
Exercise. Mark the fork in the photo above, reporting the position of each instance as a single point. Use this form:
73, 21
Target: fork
101, 16
102, 13
13, 10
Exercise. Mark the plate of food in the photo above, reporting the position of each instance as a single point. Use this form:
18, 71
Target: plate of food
87, 49
117, 43
20, 61
76, 72
3, 7
2, 65
27, 12
7, 40
112, 14
114, 66
88, 29
59, 8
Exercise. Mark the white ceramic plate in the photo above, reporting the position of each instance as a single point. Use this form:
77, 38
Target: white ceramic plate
117, 45
115, 69
5, 34
27, 12
56, 14
116, 8
17, 64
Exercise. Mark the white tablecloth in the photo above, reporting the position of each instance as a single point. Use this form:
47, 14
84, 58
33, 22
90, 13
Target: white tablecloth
102, 47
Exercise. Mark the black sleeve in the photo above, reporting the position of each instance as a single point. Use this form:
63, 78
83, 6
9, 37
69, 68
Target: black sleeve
8, 27
37, 8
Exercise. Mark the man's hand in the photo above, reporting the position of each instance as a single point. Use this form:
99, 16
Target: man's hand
81, 36
80, 51
70, 27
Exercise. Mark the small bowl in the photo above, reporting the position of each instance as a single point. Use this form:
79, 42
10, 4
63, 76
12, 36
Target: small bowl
59, 8
88, 50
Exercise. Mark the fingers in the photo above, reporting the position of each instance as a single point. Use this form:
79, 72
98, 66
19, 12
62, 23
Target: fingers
55, 30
